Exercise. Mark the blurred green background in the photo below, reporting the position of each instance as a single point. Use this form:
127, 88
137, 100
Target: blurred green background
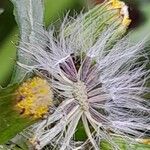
55, 9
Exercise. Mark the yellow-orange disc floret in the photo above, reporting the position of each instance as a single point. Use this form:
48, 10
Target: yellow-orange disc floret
117, 3
34, 97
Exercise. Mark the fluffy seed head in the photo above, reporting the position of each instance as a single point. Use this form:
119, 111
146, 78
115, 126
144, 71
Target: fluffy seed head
95, 83
34, 97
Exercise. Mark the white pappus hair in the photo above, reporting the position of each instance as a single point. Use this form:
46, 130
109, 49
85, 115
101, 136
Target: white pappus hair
100, 85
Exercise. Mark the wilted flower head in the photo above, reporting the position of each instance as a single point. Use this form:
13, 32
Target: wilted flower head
95, 83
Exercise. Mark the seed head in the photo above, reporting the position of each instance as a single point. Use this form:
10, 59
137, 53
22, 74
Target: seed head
95, 83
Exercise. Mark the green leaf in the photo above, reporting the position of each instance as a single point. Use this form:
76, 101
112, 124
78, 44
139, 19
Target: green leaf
7, 47
7, 58
29, 16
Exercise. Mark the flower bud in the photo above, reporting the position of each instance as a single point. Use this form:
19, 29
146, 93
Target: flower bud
110, 14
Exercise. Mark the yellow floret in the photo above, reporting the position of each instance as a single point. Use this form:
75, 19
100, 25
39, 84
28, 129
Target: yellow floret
34, 97
126, 21
117, 3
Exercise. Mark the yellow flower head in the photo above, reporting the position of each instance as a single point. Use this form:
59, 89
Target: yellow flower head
34, 97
